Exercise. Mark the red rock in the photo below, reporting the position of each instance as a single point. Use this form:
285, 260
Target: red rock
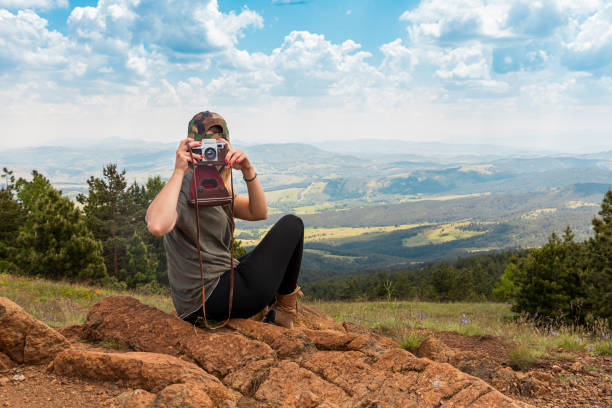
144, 328
132, 399
150, 371
435, 350
311, 318
25, 339
182, 396
5, 362
221, 353
324, 364
288, 380
248, 378
343, 341
287, 343
385, 342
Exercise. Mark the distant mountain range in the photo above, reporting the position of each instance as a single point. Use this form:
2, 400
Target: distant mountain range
461, 198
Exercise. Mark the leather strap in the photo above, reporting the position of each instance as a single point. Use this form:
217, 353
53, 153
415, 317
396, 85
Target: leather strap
231, 294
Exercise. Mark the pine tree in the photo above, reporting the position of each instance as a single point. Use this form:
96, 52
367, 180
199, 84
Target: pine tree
54, 240
550, 282
143, 196
140, 266
600, 261
12, 215
111, 214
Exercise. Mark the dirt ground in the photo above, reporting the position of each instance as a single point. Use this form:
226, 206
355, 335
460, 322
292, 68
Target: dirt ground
582, 381
568, 379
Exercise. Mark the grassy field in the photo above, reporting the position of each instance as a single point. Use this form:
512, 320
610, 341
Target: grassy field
61, 303
442, 233
251, 237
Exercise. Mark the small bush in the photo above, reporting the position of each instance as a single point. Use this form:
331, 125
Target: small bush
412, 341
522, 357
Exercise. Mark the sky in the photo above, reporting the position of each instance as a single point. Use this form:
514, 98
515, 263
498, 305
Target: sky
522, 73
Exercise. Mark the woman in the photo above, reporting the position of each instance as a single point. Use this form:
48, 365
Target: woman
267, 273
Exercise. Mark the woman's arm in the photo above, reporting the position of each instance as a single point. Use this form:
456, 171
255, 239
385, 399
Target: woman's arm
253, 207
161, 214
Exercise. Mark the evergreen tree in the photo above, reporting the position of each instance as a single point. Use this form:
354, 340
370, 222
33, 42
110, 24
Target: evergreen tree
12, 215
54, 241
550, 285
599, 279
111, 214
155, 245
505, 289
444, 280
140, 266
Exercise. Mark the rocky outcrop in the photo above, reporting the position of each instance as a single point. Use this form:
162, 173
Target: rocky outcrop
321, 363
150, 371
25, 339
502, 378
137, 398
5, 362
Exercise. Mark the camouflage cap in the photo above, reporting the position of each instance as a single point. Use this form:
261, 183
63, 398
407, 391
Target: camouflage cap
203, 121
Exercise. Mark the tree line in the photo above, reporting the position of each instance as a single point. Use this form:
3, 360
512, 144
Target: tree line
102, 238
466, 279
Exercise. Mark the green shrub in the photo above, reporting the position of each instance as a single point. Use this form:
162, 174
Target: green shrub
522, 357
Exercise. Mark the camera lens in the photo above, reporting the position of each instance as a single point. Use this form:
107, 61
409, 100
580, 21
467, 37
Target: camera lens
210, 153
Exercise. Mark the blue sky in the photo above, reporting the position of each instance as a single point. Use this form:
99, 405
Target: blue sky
531, 74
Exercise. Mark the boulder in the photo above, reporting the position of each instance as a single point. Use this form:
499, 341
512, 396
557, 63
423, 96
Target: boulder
5, 362
132, 399
287, 343
144, 328
182, 396
288, 380
435, 350
149, 371
25, 339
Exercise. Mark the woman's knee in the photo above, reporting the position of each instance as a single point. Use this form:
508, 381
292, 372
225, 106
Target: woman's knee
292, 221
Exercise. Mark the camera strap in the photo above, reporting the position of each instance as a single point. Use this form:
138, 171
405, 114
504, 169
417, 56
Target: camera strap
231, 293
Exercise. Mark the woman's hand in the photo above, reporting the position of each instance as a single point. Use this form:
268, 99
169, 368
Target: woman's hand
237, 159
182, 154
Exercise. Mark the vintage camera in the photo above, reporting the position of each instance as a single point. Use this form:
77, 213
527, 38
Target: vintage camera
208, 188
212, 152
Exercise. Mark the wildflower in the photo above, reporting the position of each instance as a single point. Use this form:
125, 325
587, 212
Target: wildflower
424, 315
590, 349
463, 315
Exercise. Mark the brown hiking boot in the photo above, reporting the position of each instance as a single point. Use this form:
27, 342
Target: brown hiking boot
284, 310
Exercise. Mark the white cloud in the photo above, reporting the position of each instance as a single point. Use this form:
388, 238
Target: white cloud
463, 63
27, 44
592, 46
33, 4
178, 27
306, 64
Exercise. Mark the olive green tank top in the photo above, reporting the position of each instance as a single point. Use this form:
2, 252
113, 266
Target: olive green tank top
181, 251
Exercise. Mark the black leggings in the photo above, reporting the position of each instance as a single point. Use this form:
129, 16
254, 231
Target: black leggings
271, 267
